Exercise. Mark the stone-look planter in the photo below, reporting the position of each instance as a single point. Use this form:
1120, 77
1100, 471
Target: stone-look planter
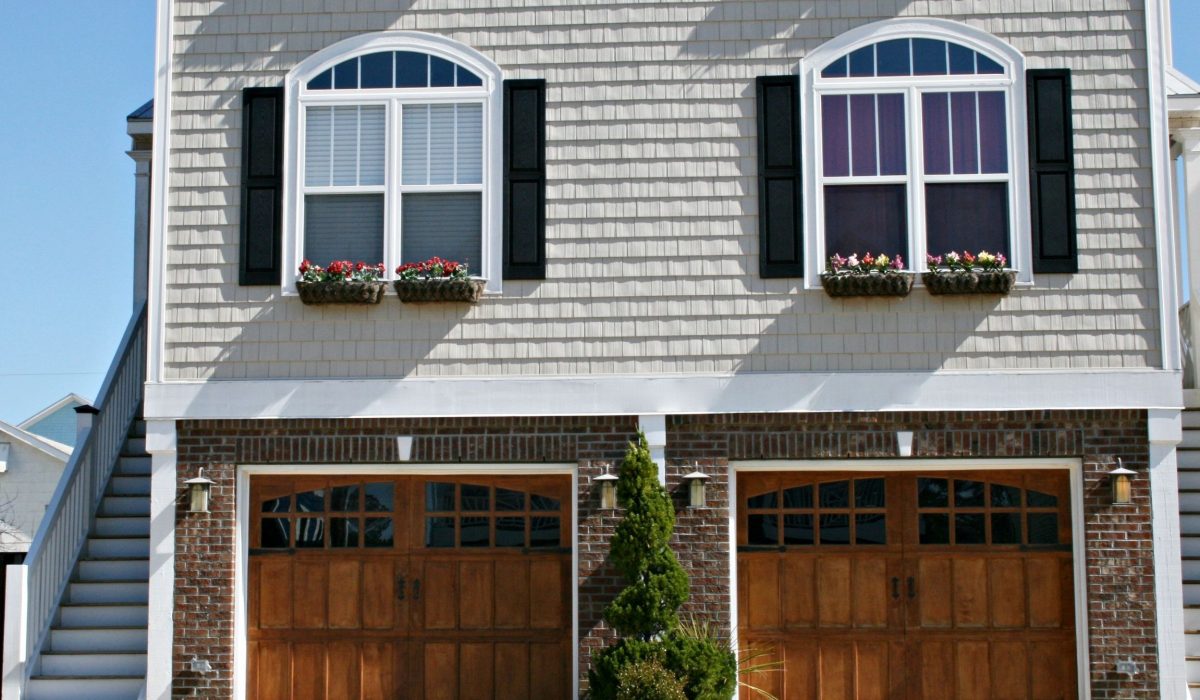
969, 282
339, 292
871, 284
441, 289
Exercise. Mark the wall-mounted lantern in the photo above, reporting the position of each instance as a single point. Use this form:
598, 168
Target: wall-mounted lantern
1122, 484
198, 491
608, 490
697, 492
904, 443
404, 445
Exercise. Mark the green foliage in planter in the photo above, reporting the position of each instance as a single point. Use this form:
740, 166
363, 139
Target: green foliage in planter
646, 612
648, 680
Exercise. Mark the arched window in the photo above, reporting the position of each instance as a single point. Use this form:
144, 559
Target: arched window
392, 138
917, 136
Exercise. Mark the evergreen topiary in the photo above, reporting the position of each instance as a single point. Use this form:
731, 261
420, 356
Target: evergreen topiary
645, 614
648, 680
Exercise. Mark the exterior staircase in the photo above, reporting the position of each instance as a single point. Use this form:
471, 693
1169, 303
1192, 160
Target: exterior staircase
1188, 453
96, 648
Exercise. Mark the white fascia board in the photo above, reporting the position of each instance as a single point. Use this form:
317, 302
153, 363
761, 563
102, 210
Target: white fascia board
664, 394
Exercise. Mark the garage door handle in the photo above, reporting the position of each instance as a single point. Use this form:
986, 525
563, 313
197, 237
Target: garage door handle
895, 588
912, 588
400, 584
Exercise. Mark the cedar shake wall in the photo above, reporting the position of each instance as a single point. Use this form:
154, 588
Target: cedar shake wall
1119, 544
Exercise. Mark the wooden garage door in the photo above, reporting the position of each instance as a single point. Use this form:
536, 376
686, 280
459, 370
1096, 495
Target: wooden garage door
428, 588
915, 586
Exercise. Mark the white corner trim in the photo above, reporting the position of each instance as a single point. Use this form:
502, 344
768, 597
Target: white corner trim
1165, 432
159, 177
15, 632
765, 392
160, 443
241, 542
1078, 530
654, 427
1157, 40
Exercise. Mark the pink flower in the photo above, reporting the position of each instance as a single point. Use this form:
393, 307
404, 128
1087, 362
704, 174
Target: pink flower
897, 263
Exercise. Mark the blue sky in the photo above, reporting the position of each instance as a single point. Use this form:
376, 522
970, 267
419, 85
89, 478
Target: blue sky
76, 68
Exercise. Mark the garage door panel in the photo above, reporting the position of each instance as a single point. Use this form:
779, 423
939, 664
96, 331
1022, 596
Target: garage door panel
972, 674
1052, 676
1008, 594
549, 594
344, 671
476, 670
834, 591
270, 664
308, 672
547, 670
869, 593
379, 601
273, 593
512, 670
345, 594
837, 671
440, 670
475, 590
380, 664
512, 594
970, 592
799, 603
310, 584
439, 601
932, 589
935, 670
1045, 593
760, 575
1009, 663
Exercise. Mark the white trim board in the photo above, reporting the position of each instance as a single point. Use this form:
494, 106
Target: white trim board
663, 394
241, 543
1078, 531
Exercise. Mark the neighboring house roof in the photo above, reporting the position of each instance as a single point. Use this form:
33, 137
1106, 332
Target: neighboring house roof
54, 449
1183, 93
56, 422
146, 111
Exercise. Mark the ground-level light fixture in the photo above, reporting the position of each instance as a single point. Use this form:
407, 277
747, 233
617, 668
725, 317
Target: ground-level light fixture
1122, 484
608, 490
198, 492
697, 495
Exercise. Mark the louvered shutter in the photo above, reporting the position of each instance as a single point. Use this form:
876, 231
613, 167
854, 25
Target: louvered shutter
781, 243
524, 179
262, 185
1051, 171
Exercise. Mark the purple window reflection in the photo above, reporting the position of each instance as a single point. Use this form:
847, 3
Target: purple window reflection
835, 135
993, 146
862, 135
892, 159
936, 114
962, 127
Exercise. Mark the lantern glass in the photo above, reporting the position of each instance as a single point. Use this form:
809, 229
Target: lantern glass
1122, 489
199, 498
608, 494
697, 493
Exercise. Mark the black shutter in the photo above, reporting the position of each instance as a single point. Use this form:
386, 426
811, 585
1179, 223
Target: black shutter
781, 242
525, 179
1051, 170
262, 185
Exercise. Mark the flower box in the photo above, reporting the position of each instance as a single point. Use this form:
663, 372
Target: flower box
341, 282
869, 276
468, 290
969, 281
867, 284
339, 292
436, 279
964, 273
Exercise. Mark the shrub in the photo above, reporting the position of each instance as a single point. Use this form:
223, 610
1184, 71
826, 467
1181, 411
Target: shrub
648, 680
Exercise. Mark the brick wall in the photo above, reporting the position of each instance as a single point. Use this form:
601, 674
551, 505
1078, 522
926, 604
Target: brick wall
1119, 541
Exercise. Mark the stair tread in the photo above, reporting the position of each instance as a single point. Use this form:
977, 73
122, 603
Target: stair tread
114, 580
88, 678
93, 653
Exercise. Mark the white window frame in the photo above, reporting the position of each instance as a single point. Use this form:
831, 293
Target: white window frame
1011, 82
299, 98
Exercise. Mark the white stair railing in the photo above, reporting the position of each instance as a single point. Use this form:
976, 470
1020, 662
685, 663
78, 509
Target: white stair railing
1188, 343
43, 578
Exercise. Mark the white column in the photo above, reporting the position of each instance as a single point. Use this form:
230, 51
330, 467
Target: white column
1189, 140
141, 224
1165, 432
160, 443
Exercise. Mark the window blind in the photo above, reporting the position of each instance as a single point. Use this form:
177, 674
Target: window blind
345, 146
442, 144
343, 227
442, 224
